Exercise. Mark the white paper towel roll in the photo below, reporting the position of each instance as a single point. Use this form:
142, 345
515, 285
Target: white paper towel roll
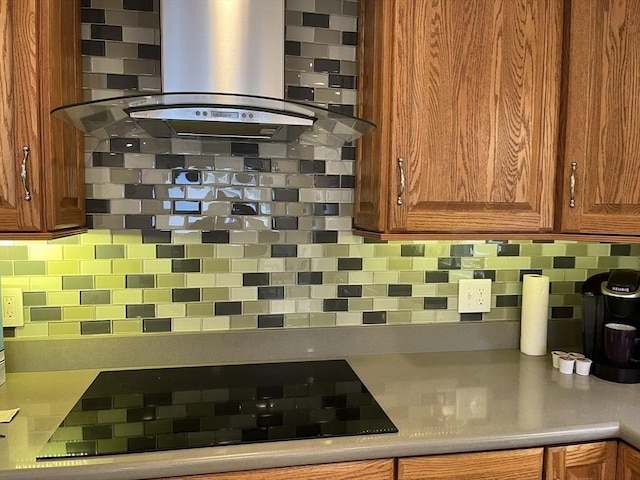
535, 307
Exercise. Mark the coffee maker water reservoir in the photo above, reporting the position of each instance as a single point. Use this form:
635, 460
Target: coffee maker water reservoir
610, 324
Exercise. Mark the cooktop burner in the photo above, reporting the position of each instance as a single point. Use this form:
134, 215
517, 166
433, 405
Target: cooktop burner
185, 407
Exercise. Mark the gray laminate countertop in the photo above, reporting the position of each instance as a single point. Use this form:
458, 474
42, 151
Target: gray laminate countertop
440, 402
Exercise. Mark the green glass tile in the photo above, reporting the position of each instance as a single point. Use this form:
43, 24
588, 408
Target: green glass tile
36, 267
498, 288
283, 278
336, 251
109, 312
14, 252
65, 329
397, 317
507, 276
586, 262
78, 252
199, 309
78, 313
128, 237
45, 252
156, 295
574, 299
242, 322
128, 429
127, 326
360, 304
562, 287
72, 240
438, 250
447, 289
255, 307
531, 250
385, 277
322, 319
410, 303
109, 251
175, 310
187, 325
577, 249
374, 290
95, 297
63, 267
298, 291
335, 278
200, 251
296, 320
575, 274
109, 282
94, 237
170, 281
411, 277
142, 252
608, 262
129, 295
541, 262
45, 314
71, 298
161, 265
32, 330
140, 281
472, 263
95, 327
362, 251
30, 299
456, 275
45, 283
485, 250
389, 250
6, 268
95, 267
375, 264
628, 262
253, 251
216, 265
397, 263
77, 282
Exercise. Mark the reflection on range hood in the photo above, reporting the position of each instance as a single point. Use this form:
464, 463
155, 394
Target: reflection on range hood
234, 48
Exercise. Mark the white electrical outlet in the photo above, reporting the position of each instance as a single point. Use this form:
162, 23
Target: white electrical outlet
12, 307
474, 295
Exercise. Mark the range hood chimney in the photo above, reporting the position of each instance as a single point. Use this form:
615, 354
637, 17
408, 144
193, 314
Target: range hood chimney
222, 79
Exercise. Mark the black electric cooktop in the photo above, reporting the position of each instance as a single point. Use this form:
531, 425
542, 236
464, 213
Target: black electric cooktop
185, 407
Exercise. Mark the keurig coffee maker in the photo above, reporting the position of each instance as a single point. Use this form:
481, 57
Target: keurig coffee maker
610, 324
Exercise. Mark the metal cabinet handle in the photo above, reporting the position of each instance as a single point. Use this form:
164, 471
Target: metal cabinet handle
572, 185
23, 173
403, 180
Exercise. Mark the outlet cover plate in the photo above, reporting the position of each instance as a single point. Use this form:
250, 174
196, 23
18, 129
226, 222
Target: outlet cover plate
16, 296
474, 295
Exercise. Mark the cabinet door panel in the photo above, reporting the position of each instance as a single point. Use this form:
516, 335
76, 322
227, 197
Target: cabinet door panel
475, 106
628, 463
603, 118
595, 461
525, 464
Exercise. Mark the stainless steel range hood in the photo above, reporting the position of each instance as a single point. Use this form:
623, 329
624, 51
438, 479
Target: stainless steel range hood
222, 78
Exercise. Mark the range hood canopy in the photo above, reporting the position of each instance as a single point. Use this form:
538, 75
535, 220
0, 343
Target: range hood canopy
222, 78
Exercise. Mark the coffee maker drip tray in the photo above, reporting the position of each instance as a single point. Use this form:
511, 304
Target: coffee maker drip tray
627, 373
186, 407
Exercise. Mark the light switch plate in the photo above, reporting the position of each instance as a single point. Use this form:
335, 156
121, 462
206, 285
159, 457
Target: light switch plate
474, 295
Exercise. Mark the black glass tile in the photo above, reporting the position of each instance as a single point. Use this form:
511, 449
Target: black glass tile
623, 250
185, 265
508, 249
244, 208
141, 222
435, 303
347, 181
124, 145
228, 308
186, 206
95, 205
309, 278
349, 264
374, 318
142, 444
312, 166
529, 272
436, 276
342, 109
326, 209
245, 149
285, 194
271, 293
81, 448
139, 191
349, 291
93, 327
300, 93
315, 20
141, 310
564, 262
349, 38
507, 300
107, 159
562, 312
186, 177
149, 52
324, 236
122, 82
335, 305
257, 164
470, 317
170, 161
292, 48
327, 181
215, 236
284, 250
94, 48
185, 295
348, 153
323, 65
412, 250
284, 223
170, 251
106, 32
491, 274
156, 236
271, 321
255, 279
97, 432
92, 15
95, 297
140, 281
140, 5
400, 290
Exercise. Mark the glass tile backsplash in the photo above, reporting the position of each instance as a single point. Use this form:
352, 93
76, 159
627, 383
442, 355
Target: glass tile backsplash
246, 236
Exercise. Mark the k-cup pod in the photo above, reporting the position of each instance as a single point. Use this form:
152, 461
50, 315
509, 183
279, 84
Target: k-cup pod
555, 355
583, 366
565, 364
576, 355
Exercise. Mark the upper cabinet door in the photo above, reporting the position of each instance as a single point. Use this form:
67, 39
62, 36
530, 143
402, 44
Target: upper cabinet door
466, 94
602, 140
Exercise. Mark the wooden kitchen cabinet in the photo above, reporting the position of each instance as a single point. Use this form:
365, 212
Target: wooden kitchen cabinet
523, 464
361, 470
41, 158
466, 100
628, 462
593, 461
602, 113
